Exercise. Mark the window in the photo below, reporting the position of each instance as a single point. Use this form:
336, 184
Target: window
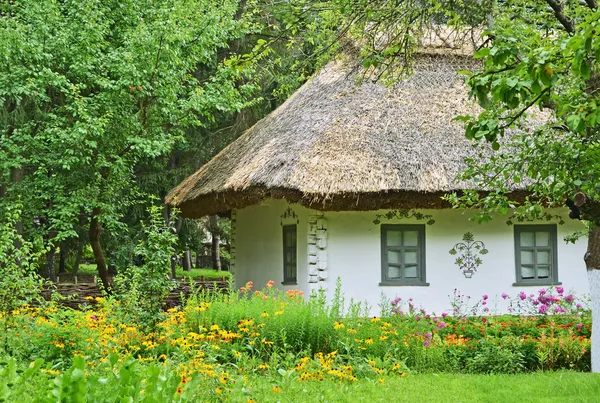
290, 254
403, 255
535, 254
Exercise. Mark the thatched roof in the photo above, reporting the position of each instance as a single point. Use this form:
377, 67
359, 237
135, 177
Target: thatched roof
339, 145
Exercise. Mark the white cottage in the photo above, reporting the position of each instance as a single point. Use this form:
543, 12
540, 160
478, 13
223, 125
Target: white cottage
345, 181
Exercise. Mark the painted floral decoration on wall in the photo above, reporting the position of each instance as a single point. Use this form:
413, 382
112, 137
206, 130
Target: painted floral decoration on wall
468, 254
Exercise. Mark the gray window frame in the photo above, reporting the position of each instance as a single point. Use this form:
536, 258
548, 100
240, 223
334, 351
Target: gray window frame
420, 280
292, 279
553, 272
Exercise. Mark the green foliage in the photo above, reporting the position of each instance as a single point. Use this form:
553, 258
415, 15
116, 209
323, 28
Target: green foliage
19, 282
142, 289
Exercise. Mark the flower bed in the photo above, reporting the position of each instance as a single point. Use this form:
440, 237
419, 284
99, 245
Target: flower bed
215, 339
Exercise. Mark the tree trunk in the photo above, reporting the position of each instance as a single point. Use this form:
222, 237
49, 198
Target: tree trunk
78, 257
198, 263
62, 259
592, 262
213, 222
187, 260
50, 269
94, 233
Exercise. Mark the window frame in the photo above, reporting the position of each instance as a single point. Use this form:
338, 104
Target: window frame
553, 247
286, 229
420, 280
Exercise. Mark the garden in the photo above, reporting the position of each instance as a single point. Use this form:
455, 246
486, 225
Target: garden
254, 345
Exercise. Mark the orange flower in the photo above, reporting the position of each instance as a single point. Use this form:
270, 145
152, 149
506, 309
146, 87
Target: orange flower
249, 285
270, 284
179, 391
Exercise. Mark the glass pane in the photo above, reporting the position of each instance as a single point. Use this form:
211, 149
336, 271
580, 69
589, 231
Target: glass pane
527, 257
288, 240
410, 257
394, 257
543, 257
543, 271
411, 238
289, 258
410, 271
542, 239
394, 238
527, 239
394, 272
527, 272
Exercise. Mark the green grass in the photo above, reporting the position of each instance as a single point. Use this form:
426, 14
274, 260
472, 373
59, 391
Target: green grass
209, 274
536, 387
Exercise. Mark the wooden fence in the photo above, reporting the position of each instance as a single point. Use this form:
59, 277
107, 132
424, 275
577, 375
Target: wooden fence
81, 294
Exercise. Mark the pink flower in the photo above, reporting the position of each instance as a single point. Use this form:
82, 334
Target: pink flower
484, 303
579, 306
504, 295
569, 298
542, 291
579, 326
442, 325
543, 309
523, 296
444, 314
485, 297
560, 290
486, 309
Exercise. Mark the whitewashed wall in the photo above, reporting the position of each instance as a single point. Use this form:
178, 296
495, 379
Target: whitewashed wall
354, 255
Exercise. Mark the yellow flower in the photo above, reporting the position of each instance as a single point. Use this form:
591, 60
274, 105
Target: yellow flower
369, 341
375, 319
381, 381
338, 325
219, 391
382, 338
276, 389
264, 314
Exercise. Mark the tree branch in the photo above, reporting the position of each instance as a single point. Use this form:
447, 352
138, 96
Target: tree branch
560, 15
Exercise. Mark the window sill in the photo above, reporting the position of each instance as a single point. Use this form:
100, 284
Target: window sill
537, 283
289, 283
395, 284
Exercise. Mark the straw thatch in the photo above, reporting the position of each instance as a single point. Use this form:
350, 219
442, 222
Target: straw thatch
339, 145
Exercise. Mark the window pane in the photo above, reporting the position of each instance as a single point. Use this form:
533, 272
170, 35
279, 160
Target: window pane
288, 240
527, 257
543, 271
542, 238
289, 258
543, 257
394, 257
527, 272
411, 238
527, 239
394, 272
410, 271
410, 257
394, 238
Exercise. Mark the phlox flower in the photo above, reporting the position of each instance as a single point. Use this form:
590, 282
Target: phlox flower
569, 298
523, 296
543, 309
504, 295
560, 290
444, 314
485, 297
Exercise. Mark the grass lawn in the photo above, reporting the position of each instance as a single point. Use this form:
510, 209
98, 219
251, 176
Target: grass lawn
209, 274
535, 387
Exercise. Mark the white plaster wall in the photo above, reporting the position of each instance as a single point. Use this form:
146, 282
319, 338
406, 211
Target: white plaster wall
354, 255
259, 243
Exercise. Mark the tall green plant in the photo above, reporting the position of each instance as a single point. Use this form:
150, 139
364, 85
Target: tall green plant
142, 289
19, 282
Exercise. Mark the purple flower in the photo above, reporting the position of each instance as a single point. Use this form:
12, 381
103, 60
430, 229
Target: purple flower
504, 295
523, 296
535, 302
484, 303
543, 309
560, 290
426, 343
579, 326
579, 306
417, 318
442, 325
559, 309
542, 291
485, 297
428, 335
570, 298
444, 314
531, 295
486, 309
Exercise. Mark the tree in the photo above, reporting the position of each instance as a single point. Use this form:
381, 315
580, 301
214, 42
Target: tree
537, 57
89, 89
